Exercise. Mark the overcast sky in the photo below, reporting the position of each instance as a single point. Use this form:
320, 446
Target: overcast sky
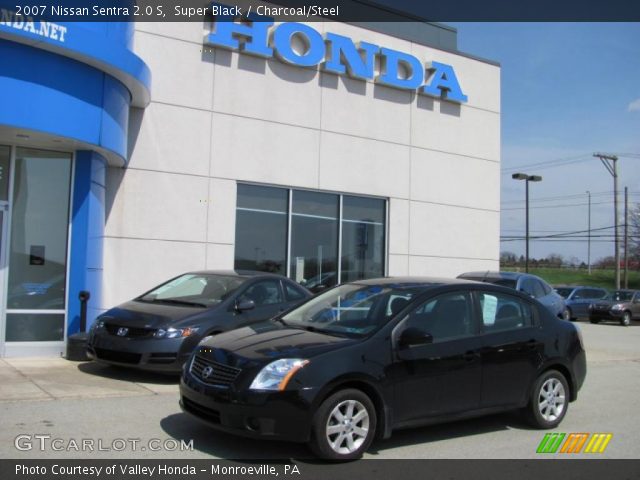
568, 90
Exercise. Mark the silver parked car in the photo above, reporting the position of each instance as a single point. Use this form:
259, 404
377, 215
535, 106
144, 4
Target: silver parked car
532, 285
578, 299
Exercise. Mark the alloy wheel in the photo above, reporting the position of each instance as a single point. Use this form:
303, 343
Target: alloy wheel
551, 399
347, 427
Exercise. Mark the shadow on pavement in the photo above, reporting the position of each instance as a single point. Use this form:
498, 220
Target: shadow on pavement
127, 374
225, 446
181, 426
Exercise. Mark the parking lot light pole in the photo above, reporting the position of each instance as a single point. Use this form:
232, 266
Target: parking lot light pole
527, 179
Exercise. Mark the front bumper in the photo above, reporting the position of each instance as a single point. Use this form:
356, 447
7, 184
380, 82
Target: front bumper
596, 314
159, 355
268, 415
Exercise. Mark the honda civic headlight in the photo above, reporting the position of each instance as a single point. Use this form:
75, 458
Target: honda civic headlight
277, 374
99, 323
175, 332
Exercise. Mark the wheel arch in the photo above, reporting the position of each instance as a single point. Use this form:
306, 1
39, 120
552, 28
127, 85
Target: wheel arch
383, 428
566, 372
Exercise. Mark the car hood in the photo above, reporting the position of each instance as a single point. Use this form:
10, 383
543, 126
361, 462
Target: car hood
152, 315
269, 341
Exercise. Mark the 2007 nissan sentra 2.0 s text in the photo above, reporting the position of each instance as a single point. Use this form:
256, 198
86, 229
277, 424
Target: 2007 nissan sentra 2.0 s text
360, 360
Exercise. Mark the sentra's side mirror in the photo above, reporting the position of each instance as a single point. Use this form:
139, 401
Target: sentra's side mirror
414, 336
244, 305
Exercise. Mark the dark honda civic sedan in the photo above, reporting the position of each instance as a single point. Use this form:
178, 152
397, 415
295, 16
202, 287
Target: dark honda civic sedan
363, 359
159, 329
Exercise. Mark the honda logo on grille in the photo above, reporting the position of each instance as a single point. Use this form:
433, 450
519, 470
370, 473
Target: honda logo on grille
122, 332
207, 372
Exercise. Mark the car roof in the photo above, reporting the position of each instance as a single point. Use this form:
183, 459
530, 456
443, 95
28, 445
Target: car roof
495, 275
236, 273
410, 282
577, 286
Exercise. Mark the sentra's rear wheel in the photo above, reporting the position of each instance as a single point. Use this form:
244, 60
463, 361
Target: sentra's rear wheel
549, 400
344, 426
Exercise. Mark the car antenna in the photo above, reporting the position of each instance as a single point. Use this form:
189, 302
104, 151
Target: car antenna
484, 279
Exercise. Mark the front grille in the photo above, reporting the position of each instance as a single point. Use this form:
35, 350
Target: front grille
201, 411
218, 374
115, 356
130, 332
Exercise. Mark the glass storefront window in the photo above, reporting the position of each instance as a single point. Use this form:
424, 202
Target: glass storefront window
262, 239
314, 238
38, 246
261, 229
5, 163
362, 238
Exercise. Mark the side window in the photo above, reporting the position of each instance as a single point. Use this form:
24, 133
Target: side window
503, 312
292, 293
581, 293
527, 286
265, 292
546, 288
538, 289
444, 317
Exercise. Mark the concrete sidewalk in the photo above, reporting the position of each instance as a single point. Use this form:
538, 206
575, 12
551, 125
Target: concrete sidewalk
41, 379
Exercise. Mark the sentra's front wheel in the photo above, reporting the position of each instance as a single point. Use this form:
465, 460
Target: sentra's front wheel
344, 426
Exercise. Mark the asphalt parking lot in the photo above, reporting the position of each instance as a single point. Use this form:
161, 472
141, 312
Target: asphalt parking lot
130, 414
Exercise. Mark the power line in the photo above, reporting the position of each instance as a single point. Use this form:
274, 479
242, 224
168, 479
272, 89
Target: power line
567, 197
549, 163
559, 205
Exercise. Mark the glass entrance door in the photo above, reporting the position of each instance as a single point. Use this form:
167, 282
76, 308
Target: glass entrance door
36, 253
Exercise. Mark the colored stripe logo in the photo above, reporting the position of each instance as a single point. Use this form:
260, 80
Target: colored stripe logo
574, 443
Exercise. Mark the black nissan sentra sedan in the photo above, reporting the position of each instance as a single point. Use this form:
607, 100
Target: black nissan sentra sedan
159, 329
360, 360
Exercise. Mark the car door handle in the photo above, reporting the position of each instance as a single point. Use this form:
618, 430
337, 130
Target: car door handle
470, 356
532, 344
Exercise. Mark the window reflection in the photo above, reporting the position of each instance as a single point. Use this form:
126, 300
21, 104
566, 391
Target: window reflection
261, 229
314, 239
362, 238
262, 220
37, 267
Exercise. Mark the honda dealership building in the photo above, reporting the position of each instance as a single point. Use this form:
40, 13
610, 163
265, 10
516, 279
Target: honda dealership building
324, 151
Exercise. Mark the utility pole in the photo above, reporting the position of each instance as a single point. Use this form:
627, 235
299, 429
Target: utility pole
626, 237
589, 234
610, 162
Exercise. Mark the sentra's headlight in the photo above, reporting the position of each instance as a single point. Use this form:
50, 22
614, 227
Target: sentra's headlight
617, 307
277, 374
175, 332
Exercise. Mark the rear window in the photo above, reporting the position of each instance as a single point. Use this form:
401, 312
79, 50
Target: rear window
565, 292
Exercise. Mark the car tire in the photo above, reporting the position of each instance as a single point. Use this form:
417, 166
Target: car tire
569, 315
344, 426
549, 400
594, 321
625, 321
566, 314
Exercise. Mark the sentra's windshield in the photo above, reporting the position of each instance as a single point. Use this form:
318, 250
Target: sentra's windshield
621, 296
352, 309
197, 290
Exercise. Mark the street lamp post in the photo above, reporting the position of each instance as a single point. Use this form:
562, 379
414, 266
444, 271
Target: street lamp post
589, 234
527, 179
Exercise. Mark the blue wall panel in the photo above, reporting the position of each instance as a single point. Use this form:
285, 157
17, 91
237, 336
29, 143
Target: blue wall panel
48, 93
87, 234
